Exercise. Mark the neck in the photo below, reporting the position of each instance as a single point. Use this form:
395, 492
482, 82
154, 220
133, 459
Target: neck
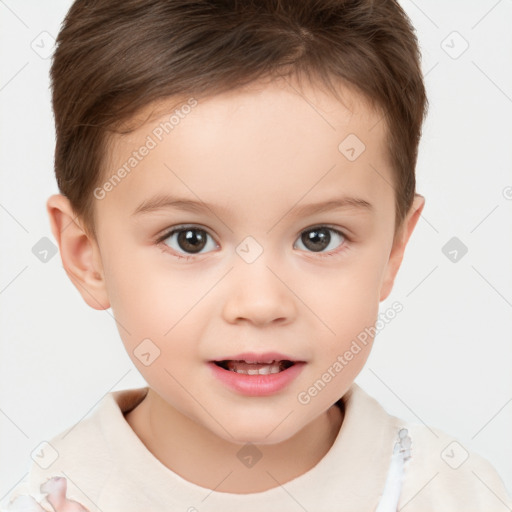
199, 456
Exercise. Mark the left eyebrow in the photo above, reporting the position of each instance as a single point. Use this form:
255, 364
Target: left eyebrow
162, 201
345, 203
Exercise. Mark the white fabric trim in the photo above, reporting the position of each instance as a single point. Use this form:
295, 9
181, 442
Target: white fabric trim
393, 486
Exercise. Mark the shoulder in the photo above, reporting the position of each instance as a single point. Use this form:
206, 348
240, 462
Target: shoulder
73, 465
443, 474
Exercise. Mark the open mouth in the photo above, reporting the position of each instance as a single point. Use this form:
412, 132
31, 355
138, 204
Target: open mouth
246, 368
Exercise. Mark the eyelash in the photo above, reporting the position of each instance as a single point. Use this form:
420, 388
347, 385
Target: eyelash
165, 248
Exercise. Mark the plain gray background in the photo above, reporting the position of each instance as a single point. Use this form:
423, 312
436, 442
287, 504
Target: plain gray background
445, 360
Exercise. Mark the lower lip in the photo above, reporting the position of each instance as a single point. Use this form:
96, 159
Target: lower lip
257, 385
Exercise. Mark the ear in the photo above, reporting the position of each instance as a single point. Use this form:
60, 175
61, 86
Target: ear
79, 252
399, 243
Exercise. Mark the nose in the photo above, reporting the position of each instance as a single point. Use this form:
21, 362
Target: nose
258, 294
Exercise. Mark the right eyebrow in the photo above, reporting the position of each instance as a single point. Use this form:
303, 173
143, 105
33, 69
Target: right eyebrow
164, 201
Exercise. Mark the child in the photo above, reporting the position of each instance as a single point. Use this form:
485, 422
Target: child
237, 184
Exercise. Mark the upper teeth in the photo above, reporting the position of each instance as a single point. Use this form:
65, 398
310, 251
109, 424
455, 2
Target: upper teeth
259, 362
264, 368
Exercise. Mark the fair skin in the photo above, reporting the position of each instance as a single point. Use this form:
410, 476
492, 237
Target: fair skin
256, 155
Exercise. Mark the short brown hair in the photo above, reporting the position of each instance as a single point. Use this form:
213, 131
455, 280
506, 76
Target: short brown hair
115, 57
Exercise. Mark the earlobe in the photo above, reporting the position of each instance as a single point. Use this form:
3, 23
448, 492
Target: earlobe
399, 244
79, 252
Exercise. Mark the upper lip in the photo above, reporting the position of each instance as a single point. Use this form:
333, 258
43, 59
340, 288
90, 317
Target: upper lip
253, 357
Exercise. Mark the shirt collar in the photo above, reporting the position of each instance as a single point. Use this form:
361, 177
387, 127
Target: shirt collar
352, 473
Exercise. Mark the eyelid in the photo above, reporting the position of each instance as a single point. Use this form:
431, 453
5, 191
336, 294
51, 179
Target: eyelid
179, 227
341, 231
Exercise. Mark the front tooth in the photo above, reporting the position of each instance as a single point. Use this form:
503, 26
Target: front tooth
253, 372
265, 370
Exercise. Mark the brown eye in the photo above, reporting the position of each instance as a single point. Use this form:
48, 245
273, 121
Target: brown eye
190, 240
319, 238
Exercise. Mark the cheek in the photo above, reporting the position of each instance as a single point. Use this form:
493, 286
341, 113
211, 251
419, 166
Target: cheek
348, 302
142, 299
152, 299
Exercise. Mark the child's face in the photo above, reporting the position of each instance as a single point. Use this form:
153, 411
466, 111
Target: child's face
254, 285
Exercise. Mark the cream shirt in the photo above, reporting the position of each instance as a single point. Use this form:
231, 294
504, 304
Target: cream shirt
378, 463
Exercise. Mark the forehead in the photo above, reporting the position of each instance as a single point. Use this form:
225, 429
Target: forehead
268, 140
